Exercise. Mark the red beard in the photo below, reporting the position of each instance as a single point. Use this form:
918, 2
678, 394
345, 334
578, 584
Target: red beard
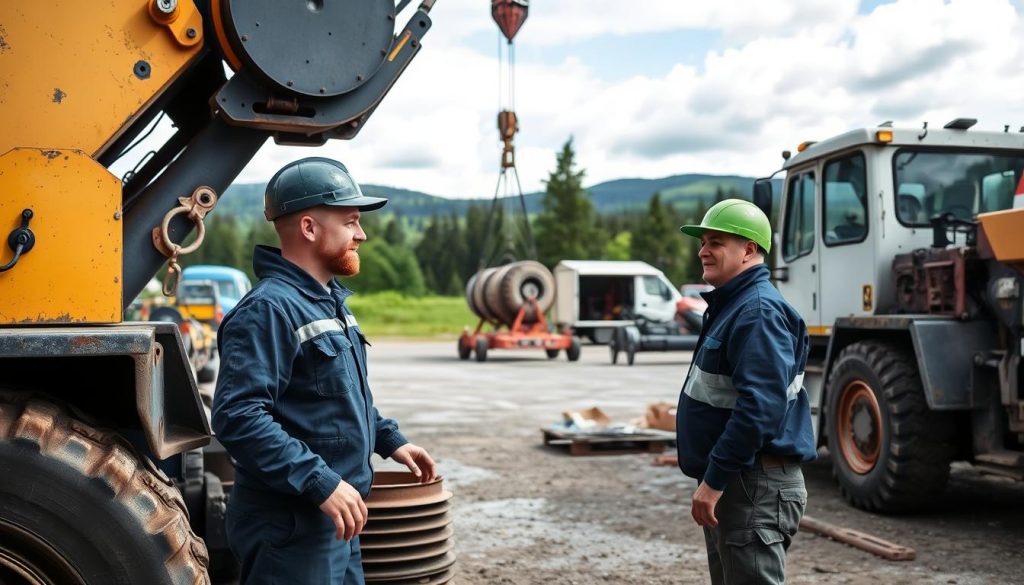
346, 264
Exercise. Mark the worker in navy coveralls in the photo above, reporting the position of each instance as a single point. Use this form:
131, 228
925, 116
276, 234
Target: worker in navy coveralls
292, 405
743, 422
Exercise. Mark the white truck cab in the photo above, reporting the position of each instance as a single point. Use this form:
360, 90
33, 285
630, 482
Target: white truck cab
902, 251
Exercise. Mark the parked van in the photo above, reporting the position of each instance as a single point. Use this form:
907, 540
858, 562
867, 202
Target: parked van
595, 297
232, 284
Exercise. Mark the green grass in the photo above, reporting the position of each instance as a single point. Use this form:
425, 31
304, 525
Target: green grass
390, 314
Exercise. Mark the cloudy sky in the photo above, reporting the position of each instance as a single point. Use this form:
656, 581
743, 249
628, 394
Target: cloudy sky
652, 88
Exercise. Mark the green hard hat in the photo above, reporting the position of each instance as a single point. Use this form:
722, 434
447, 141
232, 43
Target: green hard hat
735, 216
314, 181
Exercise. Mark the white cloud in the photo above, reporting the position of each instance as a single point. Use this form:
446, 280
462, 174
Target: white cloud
787, 71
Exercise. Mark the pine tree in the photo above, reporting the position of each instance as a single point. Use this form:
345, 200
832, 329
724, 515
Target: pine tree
393, 233
565, 226
658, 241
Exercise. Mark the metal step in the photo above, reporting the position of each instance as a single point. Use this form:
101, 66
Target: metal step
1013, 459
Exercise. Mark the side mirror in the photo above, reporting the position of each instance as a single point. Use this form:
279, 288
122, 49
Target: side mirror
763, 195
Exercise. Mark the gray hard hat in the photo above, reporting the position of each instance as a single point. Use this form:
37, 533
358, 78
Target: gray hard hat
314, 181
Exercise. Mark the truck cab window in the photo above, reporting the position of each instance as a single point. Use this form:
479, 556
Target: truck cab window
798, 238
962, 183
845, 208
652, 286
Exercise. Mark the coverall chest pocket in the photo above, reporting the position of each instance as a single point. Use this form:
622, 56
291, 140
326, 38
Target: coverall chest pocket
711, 355
333, 364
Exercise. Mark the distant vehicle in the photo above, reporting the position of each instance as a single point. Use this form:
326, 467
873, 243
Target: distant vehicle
232, 284
201, 300
690, 309
596, 297
694, 290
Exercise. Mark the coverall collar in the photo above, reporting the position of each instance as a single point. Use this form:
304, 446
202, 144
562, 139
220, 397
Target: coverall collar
739, 282
268, 262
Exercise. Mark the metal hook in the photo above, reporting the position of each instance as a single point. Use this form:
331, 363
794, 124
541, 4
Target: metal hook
923, 134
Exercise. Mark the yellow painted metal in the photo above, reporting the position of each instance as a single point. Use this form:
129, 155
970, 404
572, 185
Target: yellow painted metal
819, 330
68, 74
1005, 233
73, 273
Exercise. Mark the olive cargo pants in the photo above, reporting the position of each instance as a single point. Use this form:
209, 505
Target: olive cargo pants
758, 515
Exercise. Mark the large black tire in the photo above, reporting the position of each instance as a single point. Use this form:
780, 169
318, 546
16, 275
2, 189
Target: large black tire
494, 299
890, 452
573, 353
475, 293
78, 506
464, 350
481, 349
524, 280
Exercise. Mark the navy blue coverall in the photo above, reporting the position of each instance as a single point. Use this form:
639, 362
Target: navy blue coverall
293, 409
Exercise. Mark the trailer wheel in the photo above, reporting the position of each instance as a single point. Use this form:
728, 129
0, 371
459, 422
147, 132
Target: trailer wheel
78, 506
573, 353
464, 350
890, 452
481, 349
551, 353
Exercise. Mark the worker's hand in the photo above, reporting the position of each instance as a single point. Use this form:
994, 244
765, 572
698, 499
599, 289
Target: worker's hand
346, 508
417, 460
703, 506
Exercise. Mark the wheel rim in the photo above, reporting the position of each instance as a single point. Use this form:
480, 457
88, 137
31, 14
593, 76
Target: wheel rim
860, 427
27, 560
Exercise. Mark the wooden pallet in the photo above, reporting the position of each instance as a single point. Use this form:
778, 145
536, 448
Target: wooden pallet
588, 444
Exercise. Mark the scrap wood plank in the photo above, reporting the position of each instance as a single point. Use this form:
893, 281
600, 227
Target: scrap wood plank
600, 444
672, 460
858, 539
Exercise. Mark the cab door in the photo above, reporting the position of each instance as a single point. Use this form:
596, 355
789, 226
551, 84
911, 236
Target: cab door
799, 257
847, 255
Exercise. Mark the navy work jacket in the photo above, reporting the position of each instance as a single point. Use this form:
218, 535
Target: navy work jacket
744, 392
292, 404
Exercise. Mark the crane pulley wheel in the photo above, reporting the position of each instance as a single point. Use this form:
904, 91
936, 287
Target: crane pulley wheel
313, 48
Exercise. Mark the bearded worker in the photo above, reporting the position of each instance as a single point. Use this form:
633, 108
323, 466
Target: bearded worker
292, 405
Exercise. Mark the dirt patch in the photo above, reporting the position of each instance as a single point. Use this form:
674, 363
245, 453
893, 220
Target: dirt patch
526, 514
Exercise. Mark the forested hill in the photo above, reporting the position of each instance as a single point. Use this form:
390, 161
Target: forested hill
245, 201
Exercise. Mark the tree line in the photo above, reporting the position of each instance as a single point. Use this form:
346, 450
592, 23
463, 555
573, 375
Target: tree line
442, 257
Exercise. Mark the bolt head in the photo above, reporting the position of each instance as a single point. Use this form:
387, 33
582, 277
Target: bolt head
166, 6
191, 33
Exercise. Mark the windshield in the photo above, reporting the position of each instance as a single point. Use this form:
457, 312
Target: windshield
228, 289
965, 184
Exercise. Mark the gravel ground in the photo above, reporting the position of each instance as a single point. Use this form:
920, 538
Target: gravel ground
526, 513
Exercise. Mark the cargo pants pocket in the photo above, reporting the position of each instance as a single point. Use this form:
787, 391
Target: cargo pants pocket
792, 501
754, 555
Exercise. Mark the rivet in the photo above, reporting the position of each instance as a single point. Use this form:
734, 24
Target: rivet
191, 33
